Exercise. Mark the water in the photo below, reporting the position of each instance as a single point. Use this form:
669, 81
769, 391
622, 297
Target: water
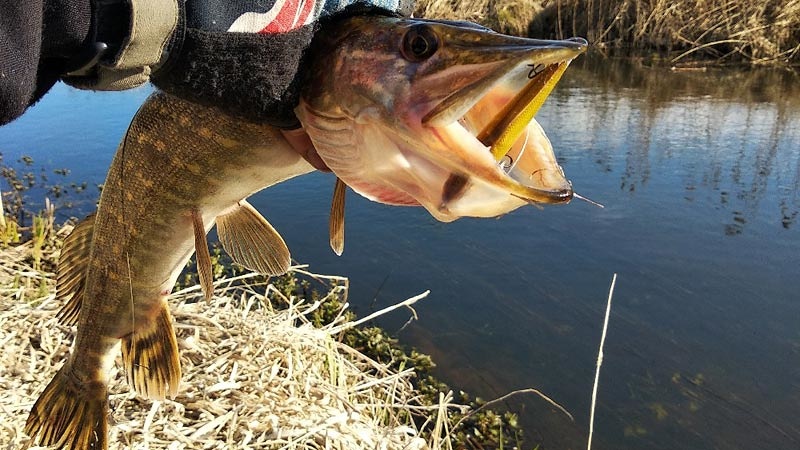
699, 173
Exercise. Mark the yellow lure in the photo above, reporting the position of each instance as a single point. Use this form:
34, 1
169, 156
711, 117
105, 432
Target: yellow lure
506, 128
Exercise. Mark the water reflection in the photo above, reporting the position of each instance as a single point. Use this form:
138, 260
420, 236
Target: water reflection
706, 351
699, 172
737, 132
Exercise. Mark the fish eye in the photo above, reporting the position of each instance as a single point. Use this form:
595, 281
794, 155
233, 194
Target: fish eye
419, 43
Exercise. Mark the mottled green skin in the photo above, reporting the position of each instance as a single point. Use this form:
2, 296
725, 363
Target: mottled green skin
176, 157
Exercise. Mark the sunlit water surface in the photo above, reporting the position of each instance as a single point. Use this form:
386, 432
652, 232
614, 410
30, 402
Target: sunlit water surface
699, 173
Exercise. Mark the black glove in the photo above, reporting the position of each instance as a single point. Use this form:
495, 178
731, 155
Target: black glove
240, 55
251, 71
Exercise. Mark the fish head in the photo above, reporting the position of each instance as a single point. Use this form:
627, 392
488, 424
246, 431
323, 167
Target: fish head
395, 106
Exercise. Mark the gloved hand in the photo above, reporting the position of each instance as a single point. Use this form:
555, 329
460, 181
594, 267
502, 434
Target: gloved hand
240, 55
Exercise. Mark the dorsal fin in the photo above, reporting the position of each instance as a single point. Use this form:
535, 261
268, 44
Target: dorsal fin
336, 221
204, 272
251, 241
72, 265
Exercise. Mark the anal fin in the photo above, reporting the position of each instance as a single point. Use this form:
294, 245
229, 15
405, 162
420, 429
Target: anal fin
251, 241
69, 416
150, 357
204, 271
72, 265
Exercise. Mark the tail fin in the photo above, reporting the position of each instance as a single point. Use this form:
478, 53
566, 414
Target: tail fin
150, 356
69, 416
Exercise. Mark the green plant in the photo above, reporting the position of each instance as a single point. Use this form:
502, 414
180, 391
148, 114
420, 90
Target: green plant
42, 234
9, 232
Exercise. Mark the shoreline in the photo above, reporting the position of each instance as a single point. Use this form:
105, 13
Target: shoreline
248, 359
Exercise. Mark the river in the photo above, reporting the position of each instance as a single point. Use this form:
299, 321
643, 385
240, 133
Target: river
699, 172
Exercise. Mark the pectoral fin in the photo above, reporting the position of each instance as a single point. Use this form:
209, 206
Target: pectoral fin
204, 272
72, 265
336, 221
251, 241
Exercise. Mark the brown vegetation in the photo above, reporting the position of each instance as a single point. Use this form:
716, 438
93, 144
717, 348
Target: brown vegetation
253, 376
766, 32
506, 16
267, 363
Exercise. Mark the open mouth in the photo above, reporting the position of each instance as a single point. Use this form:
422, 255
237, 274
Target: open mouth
500, 119
447, 123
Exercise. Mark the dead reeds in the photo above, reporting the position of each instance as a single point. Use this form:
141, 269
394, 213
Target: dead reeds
759, 33
505, 16
254, 377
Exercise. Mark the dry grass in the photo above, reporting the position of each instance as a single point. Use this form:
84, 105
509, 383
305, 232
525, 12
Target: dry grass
763, 32
253, 377
506, 16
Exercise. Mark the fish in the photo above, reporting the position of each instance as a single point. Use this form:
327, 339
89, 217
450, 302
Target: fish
182, 168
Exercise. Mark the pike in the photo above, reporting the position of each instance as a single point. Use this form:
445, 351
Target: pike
420, 112
393, 106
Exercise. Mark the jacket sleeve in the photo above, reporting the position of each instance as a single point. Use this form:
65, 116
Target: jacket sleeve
90, 44
20, 44
37, 37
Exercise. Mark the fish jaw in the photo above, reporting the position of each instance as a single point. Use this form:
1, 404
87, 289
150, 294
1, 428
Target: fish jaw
402, 130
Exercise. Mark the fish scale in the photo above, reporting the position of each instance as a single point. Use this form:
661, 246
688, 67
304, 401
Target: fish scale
158, 160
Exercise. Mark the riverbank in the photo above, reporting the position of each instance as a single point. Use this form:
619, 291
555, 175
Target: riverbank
268, 363
680, 32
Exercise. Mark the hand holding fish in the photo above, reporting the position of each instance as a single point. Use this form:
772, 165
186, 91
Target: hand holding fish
240, 55
393, 106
